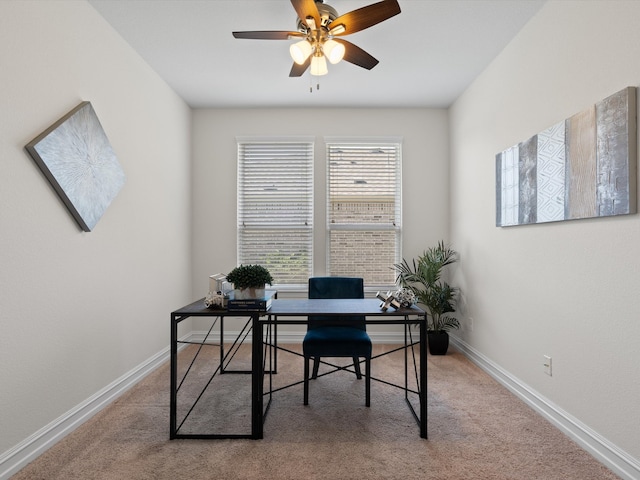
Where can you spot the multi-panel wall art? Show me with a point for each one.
(582, 167)
(76, 157)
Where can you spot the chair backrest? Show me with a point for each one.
(336, 287)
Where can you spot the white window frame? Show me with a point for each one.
(394, 225)
(288, 167)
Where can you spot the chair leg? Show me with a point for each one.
(316, 366)
(367, 381)
(306, 380)
(356, 365)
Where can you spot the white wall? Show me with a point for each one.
(425, 173)
(569, 289)
(79, 310)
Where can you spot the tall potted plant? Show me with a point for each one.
(249, 281)
(423, 278)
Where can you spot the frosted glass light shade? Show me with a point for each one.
(319, 65)
(334, 51)
(300, 51)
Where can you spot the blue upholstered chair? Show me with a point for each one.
(337, 336)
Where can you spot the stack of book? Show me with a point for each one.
(251, 304)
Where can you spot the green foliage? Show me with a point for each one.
(423, 278)
(249, 276)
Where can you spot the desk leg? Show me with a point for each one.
(221, 344)
(174, 378)
(256, 377)
(275, 344)
(423, 380)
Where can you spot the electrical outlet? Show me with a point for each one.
(547, 364)
(470, 324)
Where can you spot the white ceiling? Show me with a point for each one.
(428, 54)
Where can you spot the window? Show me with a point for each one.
(275, 207)
(364, 211)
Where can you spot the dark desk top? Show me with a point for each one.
(304, 307)
(336, 306)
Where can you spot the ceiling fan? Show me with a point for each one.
(318, 26)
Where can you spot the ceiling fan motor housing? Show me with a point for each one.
(327, 15)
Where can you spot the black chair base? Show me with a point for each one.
(356, 366)
(316, 366)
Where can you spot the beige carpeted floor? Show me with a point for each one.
(477, 430)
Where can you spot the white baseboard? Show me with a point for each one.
(618, 461)
(29, 449)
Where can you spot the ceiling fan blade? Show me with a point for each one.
(366, 17)
(268, 35)
(298, 70)
(307, 8)
(356, 55)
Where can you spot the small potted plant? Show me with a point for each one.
(249, 281)
(439, 298)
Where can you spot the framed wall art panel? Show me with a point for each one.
(76, 157)
(582, 167)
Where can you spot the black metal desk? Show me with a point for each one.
(198, 309)
(286, 311)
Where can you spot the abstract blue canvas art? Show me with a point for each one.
(76, 157)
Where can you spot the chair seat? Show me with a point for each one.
(337, 335)
(336, 342)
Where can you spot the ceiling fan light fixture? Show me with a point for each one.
(318, 24)
(319, 66)
(334, 51)
(300, 51)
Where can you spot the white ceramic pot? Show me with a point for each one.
(246, 293)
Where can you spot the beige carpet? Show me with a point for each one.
(477, 430)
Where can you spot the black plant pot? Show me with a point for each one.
(438, 342)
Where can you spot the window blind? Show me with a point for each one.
(275, 207)
(364, 210)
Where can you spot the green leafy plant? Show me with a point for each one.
(249, 276)
(422, 277)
